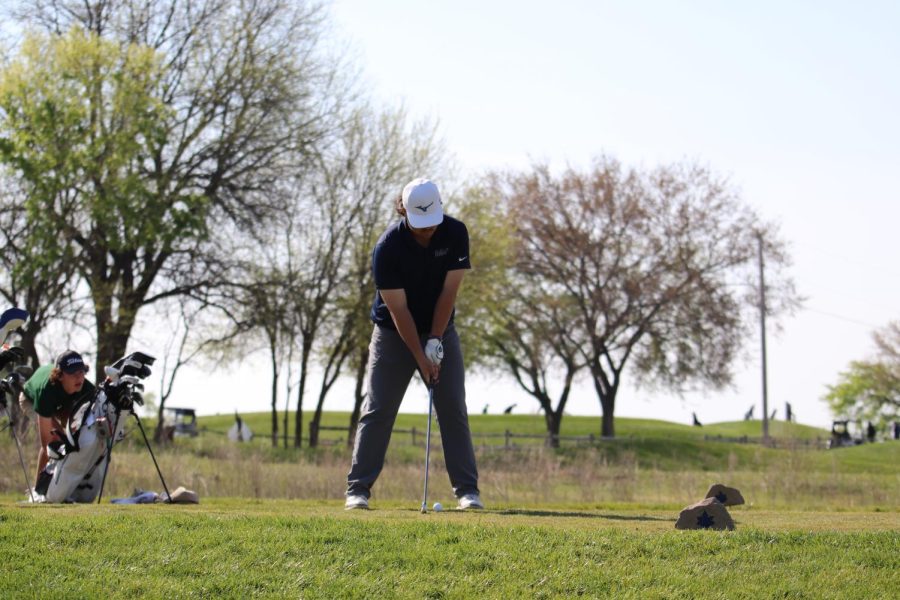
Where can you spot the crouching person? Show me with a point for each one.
(53, 392)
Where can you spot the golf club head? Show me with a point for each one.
(136, 363)
(112, 373)
(424, 508)
(10, 320)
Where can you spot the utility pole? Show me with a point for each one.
(762, 335)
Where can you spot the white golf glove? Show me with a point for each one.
(434, 350)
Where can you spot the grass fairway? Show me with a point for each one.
(595, 520)
(241, 548)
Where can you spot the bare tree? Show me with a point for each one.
(378, 152)
(175, 356)
(318, 272)
(650, 261)
(251, 302)
(535, 344)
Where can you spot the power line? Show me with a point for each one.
(842, 318)
(822, 251)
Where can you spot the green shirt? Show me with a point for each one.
(50, 399)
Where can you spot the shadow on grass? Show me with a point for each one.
(553, 513)
(584, 515)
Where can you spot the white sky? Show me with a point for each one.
(796, 102)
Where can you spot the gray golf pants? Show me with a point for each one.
(391, 367)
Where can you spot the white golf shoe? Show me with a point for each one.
(356, 501)
(470, 502)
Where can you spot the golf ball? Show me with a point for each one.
(438, 507)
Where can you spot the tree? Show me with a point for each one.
(79, 119)
(870, 390)
(148, 125)
(316, 274)
(649, 262)
(377, 153)
(37, 271)
(252, 306)
(270, 309)
(285, 289)
(185, 344)
(509, 321)
(531, 337)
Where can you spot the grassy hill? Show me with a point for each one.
(645, 442)
(260, 423)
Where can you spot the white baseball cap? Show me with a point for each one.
(422, 202)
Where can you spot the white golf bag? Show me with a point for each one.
(94, 428)
(77, 466)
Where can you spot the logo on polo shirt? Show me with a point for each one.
(441, 252)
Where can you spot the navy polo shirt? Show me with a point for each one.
(398, 261)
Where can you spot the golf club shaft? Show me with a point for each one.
(109, 446)
(427, 448)
(155, 464)
(22, 462)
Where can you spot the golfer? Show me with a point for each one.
(52, 392)
(418, 266)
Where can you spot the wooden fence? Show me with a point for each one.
(417, 437)
(485, 440)
(810, 443)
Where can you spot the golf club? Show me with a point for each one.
(153, 456)
(427, 447)
(110, 441)
(10, 320)
(12, 385)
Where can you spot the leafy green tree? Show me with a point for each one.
(145, 129)
(80, 119)
(870, 390)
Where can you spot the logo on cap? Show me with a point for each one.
(70, 362)
(422, 202)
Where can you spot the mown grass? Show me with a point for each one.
(241, 548)
(594, 520)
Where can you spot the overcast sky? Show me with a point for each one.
(796, 103)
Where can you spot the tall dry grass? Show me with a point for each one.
(528, 476)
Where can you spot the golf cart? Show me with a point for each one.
(179, 422)
(840, 435)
